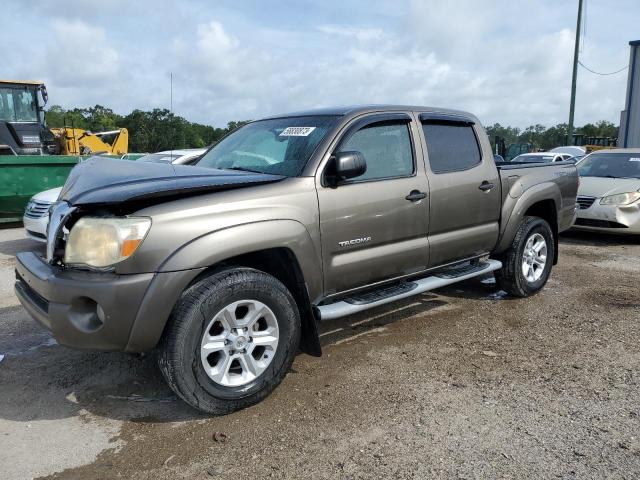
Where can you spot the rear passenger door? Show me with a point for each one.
(374, 227)
(465, 190)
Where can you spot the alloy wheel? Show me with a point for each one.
(239, 343)
(534, 257)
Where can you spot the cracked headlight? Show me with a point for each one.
(102, 242)
(620, 198)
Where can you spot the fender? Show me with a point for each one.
(193, 258)
(220, 245)
(514, 209)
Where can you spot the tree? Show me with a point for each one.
(509, 134)
(159, 129)
(602, 128)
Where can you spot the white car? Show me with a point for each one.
(573, 151)
(177, 157)
(36, 215)
(609, 191)
(542, 157)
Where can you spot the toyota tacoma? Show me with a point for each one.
(226, 267)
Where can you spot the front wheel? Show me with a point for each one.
(526, 265)
(230, 340)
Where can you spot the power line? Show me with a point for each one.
(583, 42)
(599, 73)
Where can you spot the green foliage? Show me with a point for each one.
(543, 138)
(159, 129)
(600, 129)
(510, 134)
(151, 131)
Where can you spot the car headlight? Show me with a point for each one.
(102, 242)
(620, 198)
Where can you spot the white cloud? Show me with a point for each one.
(233, 76)
(508, 62)
(361, 34)
(214, 40)
(80, 53)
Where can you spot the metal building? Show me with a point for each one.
(630, 117)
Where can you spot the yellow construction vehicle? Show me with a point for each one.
(23, 130)
(75, 141)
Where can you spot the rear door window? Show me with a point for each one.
(451, 146)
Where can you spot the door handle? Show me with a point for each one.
(486, 186)
(415, 196)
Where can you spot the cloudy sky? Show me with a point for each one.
(506, 61)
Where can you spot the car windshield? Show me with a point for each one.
(158, 158)
(280, 146)
(18, 104)
(534, 158)
(610, 165)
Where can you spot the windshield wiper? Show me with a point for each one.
(601, 176)
(242, 169)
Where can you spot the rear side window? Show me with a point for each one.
(451, 146)
(386, 149)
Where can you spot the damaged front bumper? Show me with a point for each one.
(82, 309)
(99, 310)
(621, 219)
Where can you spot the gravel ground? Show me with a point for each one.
(462, 383)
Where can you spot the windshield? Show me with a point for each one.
(158, 158)
(534, 158)
(280, 146)
(18, 105)
(610, 165)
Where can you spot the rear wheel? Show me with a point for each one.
(526, 265)
(230, 340)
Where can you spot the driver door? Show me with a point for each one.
(374, 227)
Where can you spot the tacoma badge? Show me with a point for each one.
(355, 241)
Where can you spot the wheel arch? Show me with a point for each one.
(547, 210)
(542, 200)
(281, 248)
(281, 263)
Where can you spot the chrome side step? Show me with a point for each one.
(349, 306)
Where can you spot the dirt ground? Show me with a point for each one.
(461, 383)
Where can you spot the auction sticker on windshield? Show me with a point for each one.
(634, 159)
(297, 131)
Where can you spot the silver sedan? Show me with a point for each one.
(609, 192)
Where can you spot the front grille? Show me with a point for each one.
(585, 202)
(588, 222)
(37, 209)
(36, 234)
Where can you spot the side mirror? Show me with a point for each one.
(45, 95)
(349, 165)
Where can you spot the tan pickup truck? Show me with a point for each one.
(226, 267)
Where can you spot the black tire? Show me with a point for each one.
(511, 277)
(179, 356)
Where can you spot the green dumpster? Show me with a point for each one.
(23, 176)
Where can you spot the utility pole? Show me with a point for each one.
(572, 105)
(171, 108)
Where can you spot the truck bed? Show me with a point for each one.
(519, 181)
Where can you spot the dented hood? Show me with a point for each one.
(602, 187)
(102, 180)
